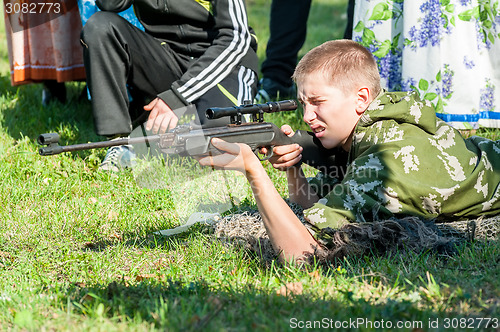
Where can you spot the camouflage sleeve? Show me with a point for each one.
(360, 197)
(322, 184)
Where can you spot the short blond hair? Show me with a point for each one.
(344, 63)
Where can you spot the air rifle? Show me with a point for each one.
(192, 140)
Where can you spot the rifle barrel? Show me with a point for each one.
(53, 149)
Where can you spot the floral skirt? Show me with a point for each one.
(448, 51)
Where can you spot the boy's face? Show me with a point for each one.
(330, 113)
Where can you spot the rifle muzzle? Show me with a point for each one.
(51, 140)
(50, 150)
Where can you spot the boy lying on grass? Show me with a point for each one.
(402, 160)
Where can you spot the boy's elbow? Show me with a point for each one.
(305, 204)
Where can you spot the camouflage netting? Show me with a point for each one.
(477, 229)
(246, 230)
(388, 236)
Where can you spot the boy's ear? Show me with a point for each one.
(363, 100)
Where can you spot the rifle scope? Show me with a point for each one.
(270, 107)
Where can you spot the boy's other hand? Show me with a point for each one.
(161, 117)
(285, 156)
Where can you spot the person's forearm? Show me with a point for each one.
(287, 234)
(299, 190)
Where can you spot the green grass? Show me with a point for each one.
(78, 250)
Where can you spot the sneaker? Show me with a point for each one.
(118, 158)
(270, 90)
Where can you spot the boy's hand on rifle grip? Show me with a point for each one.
(285, 156)
(161, 117)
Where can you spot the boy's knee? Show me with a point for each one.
(100, 26)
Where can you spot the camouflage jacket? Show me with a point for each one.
(405, 161)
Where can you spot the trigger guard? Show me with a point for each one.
(268, 155)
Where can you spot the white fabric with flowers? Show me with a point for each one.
(448, 51)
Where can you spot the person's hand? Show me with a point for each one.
(161, 117)
(233, 156)
(285, 156)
